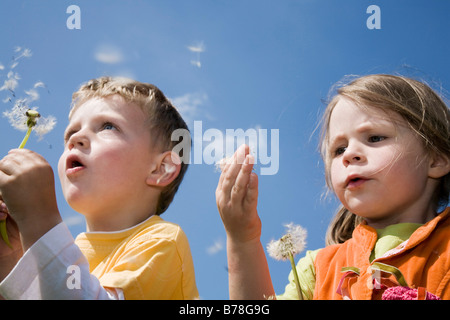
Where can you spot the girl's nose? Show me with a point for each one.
(353, 154)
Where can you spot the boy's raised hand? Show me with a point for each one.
(27, 188)
(237, 195)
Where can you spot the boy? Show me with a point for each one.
(118, 170)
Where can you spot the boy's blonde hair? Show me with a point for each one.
(163, 118)
(422, 109)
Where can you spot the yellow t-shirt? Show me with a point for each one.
(151, 260)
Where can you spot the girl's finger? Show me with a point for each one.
(232, 170)
(251, 199)
(239, 190)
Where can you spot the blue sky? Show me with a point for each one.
(254, 64)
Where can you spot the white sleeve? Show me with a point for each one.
(54, 268)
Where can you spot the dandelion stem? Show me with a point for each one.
(25, 139)
(4, 233)
(297, 281)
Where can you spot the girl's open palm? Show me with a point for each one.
(237, 196)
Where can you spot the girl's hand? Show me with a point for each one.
(27, 188)
(237, 196)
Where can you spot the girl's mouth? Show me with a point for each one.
(355, 182)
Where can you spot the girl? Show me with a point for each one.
(386, 148)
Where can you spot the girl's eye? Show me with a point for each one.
(339, 151)
(376, 138)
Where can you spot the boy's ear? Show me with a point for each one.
(439, 166)
(167, 168)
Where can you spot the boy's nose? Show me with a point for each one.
(78, 140)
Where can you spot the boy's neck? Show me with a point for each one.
(114, 222)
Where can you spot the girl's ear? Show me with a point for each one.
(167, 168)
(439, 166)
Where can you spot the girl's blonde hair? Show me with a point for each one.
(422, 109)
(162, 118)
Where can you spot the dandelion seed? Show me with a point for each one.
(198, 47)
(27, 53)
(11, 82)
(39, 84)
(14, 64)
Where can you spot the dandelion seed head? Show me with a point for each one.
(17, 116)
(44, 126)
(293, 242)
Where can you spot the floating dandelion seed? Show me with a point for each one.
(292, 243)
(197, 48)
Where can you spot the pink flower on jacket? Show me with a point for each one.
(405, 293)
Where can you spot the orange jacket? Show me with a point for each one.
(421, 262)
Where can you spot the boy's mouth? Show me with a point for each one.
(74, 164)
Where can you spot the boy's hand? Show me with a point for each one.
(9, 255)
(27, 187)
(13, 233)
(237, 196)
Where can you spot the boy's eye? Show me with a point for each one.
(108, 126)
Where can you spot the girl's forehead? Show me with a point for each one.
(347, 111)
